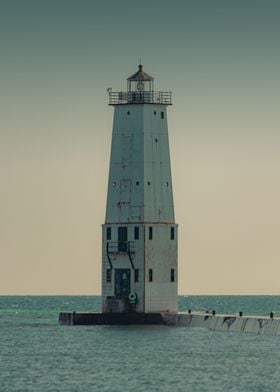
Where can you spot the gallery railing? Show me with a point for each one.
(134, 97)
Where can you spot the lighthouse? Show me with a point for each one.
(139, 236)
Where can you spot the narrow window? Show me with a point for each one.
(150, 233)
(128, 113)
(136, 233)
(109, 233)
(136, 275)
(137, 183)
(108, 275)
(149, 183)
(155, 113)
(161, 114)
(172, 233)
(122, 239)
(172, 275)
(150, 275)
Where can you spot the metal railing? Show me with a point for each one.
(121, 247)
(134, 97)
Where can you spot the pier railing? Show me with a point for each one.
(136, 97)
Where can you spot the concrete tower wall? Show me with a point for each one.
(140, 184)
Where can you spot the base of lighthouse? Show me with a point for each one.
(139, 274)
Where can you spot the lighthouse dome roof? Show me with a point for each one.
(140, 75)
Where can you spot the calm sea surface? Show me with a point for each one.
(37, 354)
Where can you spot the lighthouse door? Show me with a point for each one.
(122, 282)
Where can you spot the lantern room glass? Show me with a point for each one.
(140, 85)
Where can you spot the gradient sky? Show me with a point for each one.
(221, 60)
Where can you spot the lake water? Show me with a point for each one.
(37, 354)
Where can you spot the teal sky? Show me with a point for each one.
(221, 60)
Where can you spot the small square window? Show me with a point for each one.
(161, 114)
(172, 275)
(109, 233)
(172, 233)
(150, 233)
(108, 275)
(150, 275)
(136, 233)
(128, 113)
(155, 113)
(137, 183)
(136, 275)
(148, 183)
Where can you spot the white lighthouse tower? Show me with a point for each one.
(139, 237)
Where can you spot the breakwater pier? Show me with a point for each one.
(216, 322)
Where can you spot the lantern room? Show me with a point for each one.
(140, 89)
(140, 81)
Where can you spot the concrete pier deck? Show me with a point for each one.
(214, 322)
